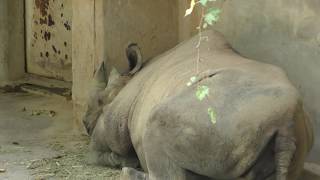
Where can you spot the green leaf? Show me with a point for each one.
(205, 25)
(212, 16)
(193, 79)
(213, 115)
(189, 11)
(202, 92)
(203, 2)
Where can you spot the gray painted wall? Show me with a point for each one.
(12, 53)
(285, 33)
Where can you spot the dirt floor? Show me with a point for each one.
(37, 142)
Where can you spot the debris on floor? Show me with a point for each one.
(37, 112)
(38, 147)
(70, 164)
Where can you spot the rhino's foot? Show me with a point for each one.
(112, 159)
(132, 174)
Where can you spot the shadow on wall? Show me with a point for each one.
(12, 40)
(285, 33)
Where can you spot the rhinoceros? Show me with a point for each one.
(154, 119)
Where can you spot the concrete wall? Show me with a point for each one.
(285, 33)
(153, 25)
(12, 53)
(48, 35)
(187, 26)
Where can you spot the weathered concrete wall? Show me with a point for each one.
(187, 26)
(281, 32)
(12, 53)
(153, 25)
(48, 35)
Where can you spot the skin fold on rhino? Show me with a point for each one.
(154, 119)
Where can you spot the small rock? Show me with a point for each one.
(35, 113)
(15, 143)
(2, 170)
(52, 113)
(57, 157)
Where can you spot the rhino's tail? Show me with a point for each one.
(285, 148)
(293, 142)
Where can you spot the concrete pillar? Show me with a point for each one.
(87, 50)
(12, 46)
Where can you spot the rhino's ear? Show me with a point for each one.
(134, 58)
(100, 77)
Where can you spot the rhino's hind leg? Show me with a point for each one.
(103, 156)
(160, 166)
(111, 159)
(284, 151)
(132, 174)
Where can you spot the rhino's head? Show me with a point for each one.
(106, 86)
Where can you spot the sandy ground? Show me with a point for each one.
(37, 142)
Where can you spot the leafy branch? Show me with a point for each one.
(209, 16)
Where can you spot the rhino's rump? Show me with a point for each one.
(249, 114)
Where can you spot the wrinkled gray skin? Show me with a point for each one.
(261, 131)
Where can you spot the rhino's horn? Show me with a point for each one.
(134, 57)
(100, 77)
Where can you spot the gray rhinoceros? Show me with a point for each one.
(261, 129)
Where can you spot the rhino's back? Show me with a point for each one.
(168, 75)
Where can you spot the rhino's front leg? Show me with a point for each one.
(101, 154)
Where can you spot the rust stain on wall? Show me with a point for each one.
(47, 35)
(43, 6)
(49, 38)
(67, 26)
(50, 20)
